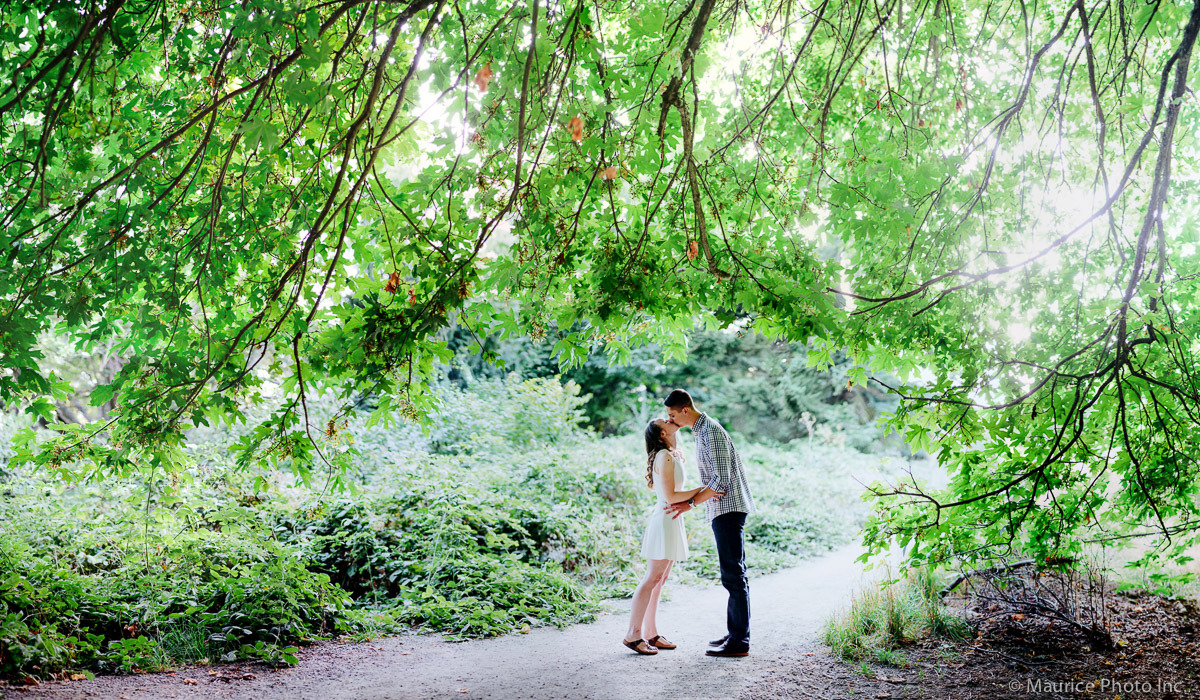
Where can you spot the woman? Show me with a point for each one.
(665, 542)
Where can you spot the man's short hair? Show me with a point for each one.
(679, 399)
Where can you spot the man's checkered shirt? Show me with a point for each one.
(721, 469)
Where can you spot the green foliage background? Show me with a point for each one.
(246, 213)
(511, 513)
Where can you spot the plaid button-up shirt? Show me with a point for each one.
(721, 469)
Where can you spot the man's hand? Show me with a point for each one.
(677, 509)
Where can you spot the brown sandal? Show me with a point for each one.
(658, 642)
(637, 646)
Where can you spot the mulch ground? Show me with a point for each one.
(1157, 655)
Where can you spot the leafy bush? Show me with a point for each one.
(97, 594)
(499, 414)
(458, 558)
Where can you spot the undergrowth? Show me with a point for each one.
(510, 514)
(882, 619)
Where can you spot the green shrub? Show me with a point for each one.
(506, 414)
(231, 588)
(457, 557)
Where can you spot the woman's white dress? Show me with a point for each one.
(665, 537)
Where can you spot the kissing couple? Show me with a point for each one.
(726, 498)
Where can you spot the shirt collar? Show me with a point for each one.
(700, 422)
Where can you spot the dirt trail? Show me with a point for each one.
(583, 661)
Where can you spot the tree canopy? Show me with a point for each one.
(993, 200)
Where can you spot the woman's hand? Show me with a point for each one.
(677, 509)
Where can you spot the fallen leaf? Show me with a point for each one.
(189, 681)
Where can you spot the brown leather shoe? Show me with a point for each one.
(640, 646)
(719, 642)
(726, 650)
(658, 642)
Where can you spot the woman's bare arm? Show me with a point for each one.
(664, 464)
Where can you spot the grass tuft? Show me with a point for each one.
(884, 618)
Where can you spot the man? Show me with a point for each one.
(721, 472)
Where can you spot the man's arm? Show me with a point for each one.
(722, 461)
(678, 509)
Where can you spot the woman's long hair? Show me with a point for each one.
(654, 442)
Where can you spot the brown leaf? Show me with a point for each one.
(392, 283)
(609, 173)
(693, 250)
(412, 296)
(483, 77)
(575, 126)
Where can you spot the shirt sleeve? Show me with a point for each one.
(722, 460)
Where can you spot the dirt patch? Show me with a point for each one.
(1157, 655)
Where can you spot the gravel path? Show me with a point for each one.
(582, 661)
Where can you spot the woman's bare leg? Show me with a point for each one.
(655, 573)
(649, 626)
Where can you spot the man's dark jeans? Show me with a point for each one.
(731, 550)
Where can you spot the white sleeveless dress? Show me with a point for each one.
(665, 537)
